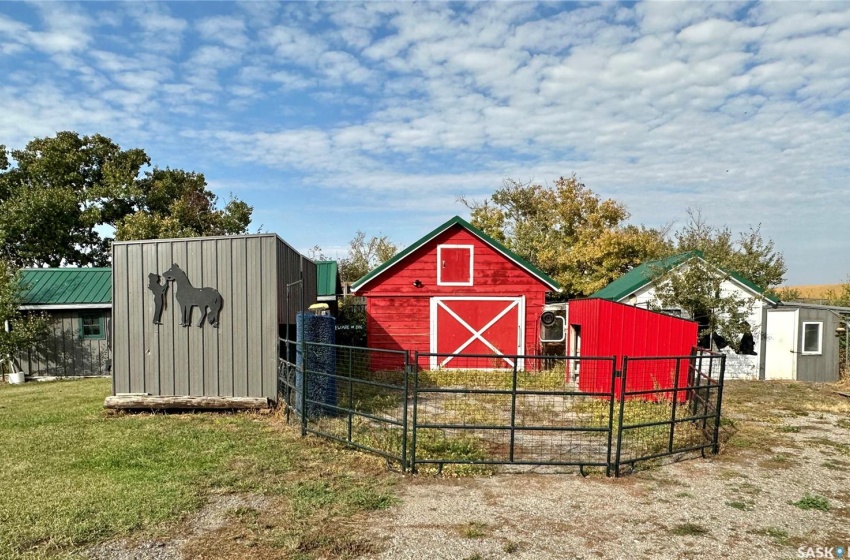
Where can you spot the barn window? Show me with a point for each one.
(454, 265)
(812, 337)
(91, 327)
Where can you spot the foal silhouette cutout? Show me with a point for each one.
(188, 296)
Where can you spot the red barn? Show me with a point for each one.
(456, 291)
(599, 327)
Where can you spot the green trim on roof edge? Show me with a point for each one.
(641, 275)
(457, 220)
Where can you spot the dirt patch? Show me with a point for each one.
(214, 516)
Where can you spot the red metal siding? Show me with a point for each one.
(398, 313)
(609, 328)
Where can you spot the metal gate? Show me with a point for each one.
(416, 416)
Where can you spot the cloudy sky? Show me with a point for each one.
(334, 117)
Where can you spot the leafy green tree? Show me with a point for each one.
(749, 255)
(697, 289)
(697, 286)
(567, 231)
(24, 330)
(175, 203)
(59, 189)
(364, 255)
(56, 191)
(839, 296)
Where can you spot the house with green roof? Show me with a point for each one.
(79, 304)
(792, 341)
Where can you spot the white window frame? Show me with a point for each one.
(440, 264)
(819, 351)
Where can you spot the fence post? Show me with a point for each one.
(513, 411)
(716, 447)
(404, 411)
(611, 414)
(675, 404)
(304, 383)
(350, 394)
(623, 373)
(695, 388)
(707, 394)
(415, 406)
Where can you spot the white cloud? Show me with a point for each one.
(229, 31)
(292, 44)
(160, 31)
(726, 106)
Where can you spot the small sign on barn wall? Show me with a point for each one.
(188, 297)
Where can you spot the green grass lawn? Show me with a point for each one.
(72, 475)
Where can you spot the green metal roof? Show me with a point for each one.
(457, 220)
(639, 276)
(66, 286)
(644, 273)
(327, 279)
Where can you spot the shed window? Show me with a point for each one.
(812, 338)
(454, 265)
(91, 326)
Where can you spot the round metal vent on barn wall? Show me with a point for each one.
(548, 318)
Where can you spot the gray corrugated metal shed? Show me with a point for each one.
(66, 286)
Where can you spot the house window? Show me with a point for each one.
(91, 327)
(454, 265)
(812, 338)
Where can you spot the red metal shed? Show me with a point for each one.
(456, 291)
(599, 327)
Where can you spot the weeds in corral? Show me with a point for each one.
(434, 444)
(431, 444)
(547, 380)
(510, 547)
(475, 410)
(812, 501)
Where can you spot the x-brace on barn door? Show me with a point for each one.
(477, 325)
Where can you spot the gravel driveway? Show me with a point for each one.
(781, 482)
(736, 505)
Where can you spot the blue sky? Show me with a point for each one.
(334, 117)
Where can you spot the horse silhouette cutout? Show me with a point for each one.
(188, 296)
